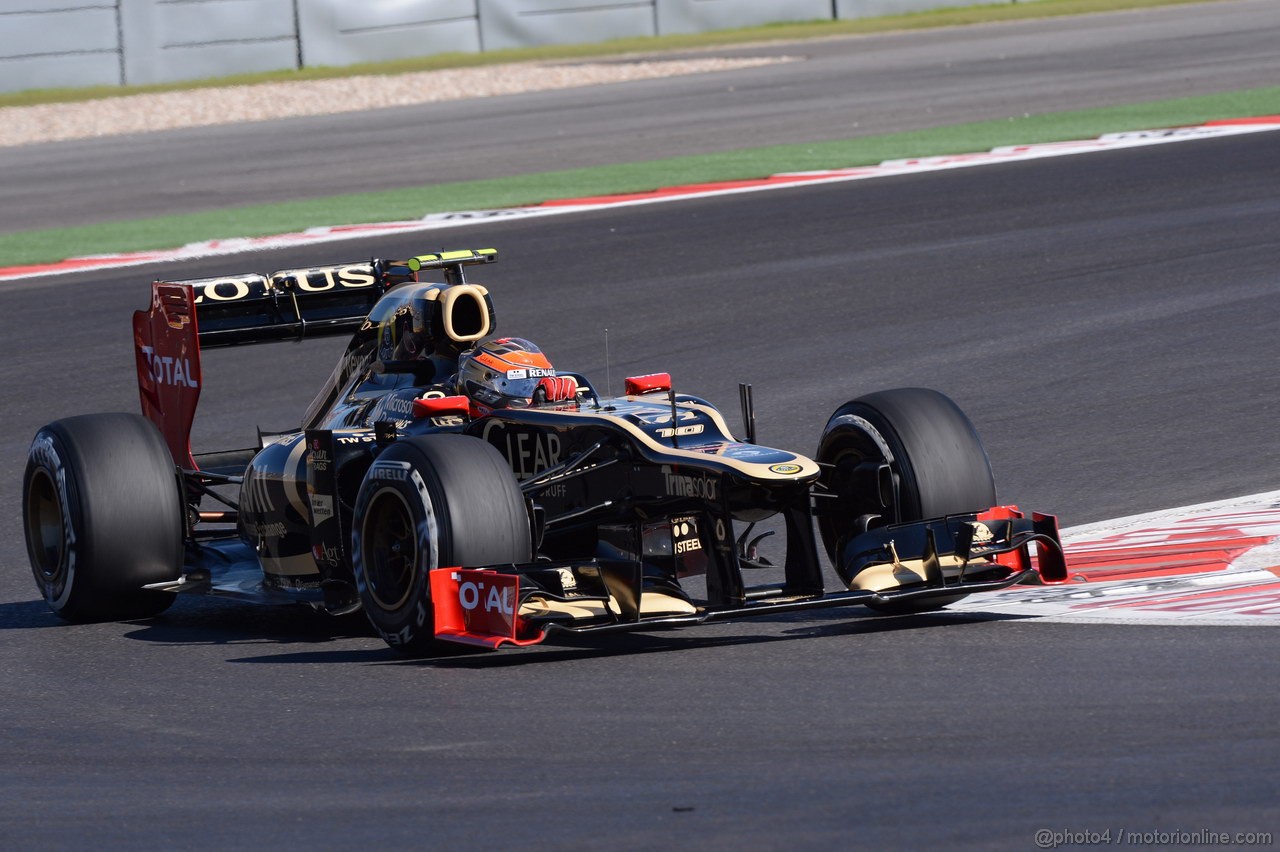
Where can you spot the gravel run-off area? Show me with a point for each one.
(225, 105)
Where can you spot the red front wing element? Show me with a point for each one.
(477, 607)
(1050, 563)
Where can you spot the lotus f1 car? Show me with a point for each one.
(448, 518)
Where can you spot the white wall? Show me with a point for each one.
(342, 32)
(66, 43)
(873, 8)
(521, 23)
(46, 44)
(696, 16)
(167, 40)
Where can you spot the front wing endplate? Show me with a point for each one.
(477, 607)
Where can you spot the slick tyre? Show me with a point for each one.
(430, 502)
(102, 512)
(904, 455)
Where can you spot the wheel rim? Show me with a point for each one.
(46, 530)
(847, 449)
(390, 550)
(839, 481)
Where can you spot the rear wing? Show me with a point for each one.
(293, 304)
(187, 316)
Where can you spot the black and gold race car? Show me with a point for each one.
(458, 488)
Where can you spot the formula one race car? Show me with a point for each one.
(456, 487)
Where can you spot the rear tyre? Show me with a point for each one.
(429, 502)
(102, 513)
(935, 462)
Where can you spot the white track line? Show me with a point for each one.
(1238, 541)
(440, 221)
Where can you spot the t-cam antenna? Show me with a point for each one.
(748, 411)
(675, 418)
(608, 379)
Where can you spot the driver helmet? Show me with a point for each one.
(511, 372)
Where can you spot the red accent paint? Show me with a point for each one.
(1259, 599)
(1166, 552)
(1228, 122)
(478, 607)
(167, 350)
(1001, 513)
(79, 263)
(636, 385)
(1050, 563)
(1200, 544)
(441, 405)
(1161, 561)
(1015, 560)
(688, 189)
(1217, 560)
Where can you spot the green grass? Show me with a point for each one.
(40, 246)
(1010, 11)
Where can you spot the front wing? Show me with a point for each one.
(525, 604)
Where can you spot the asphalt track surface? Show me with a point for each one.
(845, 87)
(1107, 320)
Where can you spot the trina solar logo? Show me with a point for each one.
(678, 485)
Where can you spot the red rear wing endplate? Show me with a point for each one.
(253, 308)
(166, 342)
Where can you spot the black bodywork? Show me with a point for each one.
(626, 496)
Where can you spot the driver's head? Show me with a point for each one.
(511, 372)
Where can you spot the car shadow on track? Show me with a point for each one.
(213, 622)
(350, 639)
(27, 615)
(210, 621)
(218, 623)
(568, 649)
(571, 649)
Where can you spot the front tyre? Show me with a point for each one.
(102, 512)
(429, 502)
(903, 455)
